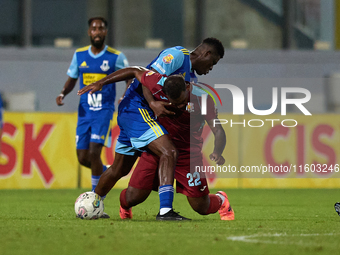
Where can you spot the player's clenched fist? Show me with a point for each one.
(217, 158)
(59, 100)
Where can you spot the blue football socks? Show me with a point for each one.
(166, 197)
(94, 181)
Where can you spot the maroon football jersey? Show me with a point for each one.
(185, 128)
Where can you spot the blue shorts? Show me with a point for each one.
(96, 129)
(138, 128)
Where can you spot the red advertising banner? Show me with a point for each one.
(38, 151)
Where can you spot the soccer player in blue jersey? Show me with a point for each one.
(95, 111)
(178, 60)
(137, 120)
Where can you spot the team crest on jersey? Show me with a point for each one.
(105, 66)
(190, 107)
(150, 73)
(168, 59)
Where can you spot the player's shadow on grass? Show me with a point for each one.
(154, 220)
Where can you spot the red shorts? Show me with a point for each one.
(188, 182)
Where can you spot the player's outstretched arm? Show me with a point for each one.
(220, 142)
(120, 75)
(128, 82)
(68, 87)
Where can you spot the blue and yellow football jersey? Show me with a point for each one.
(90, 68)
(138, 125)
(95, 111)
(175, 60)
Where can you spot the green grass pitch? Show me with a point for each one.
(267, 221)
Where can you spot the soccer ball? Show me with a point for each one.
(89, 206)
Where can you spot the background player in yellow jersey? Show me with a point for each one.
(95, 111)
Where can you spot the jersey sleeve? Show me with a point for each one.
(153, 81)
(168, 61)
(121, 62)
(211, 110)
(73, 71)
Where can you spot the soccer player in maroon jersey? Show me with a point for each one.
(185, 129)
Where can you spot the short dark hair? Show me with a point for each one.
(216, 44)
(174, 85)
(100, 18)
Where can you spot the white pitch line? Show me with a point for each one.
(249, 238)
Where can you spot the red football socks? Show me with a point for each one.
(215, 203)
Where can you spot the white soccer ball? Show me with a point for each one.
(89, 206)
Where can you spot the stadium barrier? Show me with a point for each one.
(293, 151)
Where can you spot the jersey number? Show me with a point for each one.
(94, 101)
(194, 179)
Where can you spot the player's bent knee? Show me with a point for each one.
(136, 196)
(201, 211)
(199, 204)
